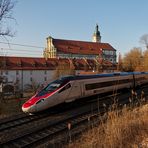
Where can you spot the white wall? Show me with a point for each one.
(25, 77)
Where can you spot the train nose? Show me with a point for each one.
(25, 110)
(26, 107)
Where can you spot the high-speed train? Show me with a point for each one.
(70, 88)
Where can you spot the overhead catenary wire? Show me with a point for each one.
(11, 49)
(20, 51)
(23, 45)
(30, 54)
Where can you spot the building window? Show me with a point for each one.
(17, 80)
(30, 72)
(17, 72)
(111, 52)
(31, 79)
(6, 72)
(6, 80)
(45, 78)
(45, 72)
(18, 64)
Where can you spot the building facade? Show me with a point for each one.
(21, 72)
(59, 48)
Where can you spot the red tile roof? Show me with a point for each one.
(27, 63)
(80, 47)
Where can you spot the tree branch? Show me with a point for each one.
(6, 7)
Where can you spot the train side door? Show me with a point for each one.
(75, 91)
(63, 93)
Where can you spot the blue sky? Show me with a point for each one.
(121, 23)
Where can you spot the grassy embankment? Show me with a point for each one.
(127, 128)
(9, 108)
(11, 105)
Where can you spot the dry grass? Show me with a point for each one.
(10, 107)
(127, 129)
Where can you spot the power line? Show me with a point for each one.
(11, 49)
(20, 53)
(23, 45)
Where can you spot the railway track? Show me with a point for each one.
(38, 130)
(19, 120)
(42, 129)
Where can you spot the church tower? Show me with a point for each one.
(96, 35)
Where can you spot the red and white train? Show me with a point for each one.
(70, 88)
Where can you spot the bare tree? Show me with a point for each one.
(132, 61)
(144, 40)
(62, 69)
(145, 60)
(6, 7)
(120, 63)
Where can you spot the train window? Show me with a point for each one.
(65, 87)
(42, 100)
(51, 87)
(116, 74)
(104, 84)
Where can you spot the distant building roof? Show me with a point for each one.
(29, 63)
(80, 47)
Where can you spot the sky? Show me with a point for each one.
(121, 24)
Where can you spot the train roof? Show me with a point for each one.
(79, 77)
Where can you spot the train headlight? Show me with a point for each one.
(40, 101)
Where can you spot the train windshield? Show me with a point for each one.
(52, 87)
